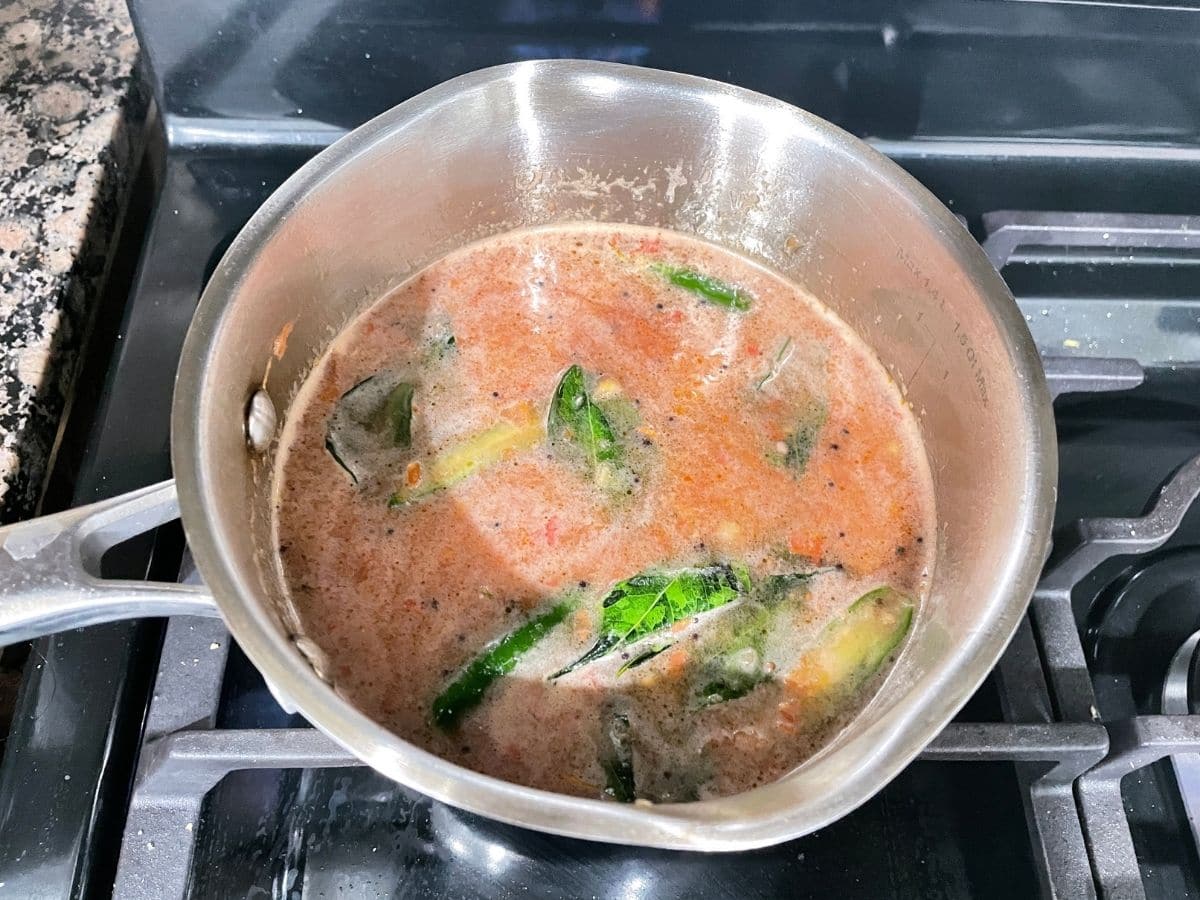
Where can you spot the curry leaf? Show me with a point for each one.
(369, 421)
(798, 446)
(652, 601)
(749, 631)
(332, 449)
(498, 659)
(733, 675)
(782, 355)
(773, 590)
(704, 286)
(441, 346)
(618, 762)
(643, 657)
(396, 415)
(740, 665)
(574, 417)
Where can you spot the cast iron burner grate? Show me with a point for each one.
(1071, 744)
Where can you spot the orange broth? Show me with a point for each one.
(767, 440)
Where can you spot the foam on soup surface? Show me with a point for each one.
(605, 510)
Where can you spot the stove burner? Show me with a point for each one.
(1180, 698)
(1136, 741)
(1136, 625)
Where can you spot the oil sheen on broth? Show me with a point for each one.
(607, 511)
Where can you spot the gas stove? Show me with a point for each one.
(149, 759)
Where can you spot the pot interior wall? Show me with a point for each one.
(753, 176)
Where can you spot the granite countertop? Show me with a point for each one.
(72, 122)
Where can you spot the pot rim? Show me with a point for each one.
(725, 823)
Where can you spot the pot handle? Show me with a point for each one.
(50, 568)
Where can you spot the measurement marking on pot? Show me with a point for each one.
(914, 269)
(933, 343)
(964, 341)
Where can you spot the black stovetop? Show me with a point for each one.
(996, 106)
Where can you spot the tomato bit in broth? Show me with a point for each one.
(607, 511)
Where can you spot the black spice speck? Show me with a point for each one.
(833, 447)
(920, 540)
(900, 551)
(495, 393)
(583, 584)
(433, 603)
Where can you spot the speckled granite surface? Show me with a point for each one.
(72, 115)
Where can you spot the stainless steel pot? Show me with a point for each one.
(541, 142)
